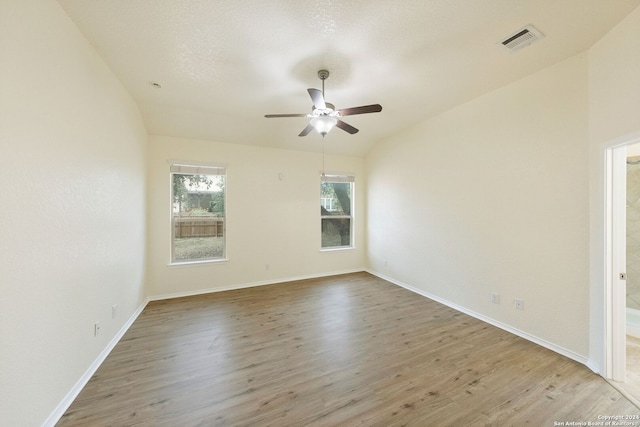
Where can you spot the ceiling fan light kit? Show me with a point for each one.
(324, 115)
(323, 124)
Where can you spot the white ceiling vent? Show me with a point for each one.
(521, 38)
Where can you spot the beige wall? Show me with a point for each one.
(614, 82)
(72, 168)
(492, 196)
(614, 102)
(269, 220)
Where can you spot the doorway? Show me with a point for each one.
(632, 201)
(633, 240)
(622, 200)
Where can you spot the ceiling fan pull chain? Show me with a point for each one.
(323, 156)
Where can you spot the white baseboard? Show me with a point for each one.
(79, 385)
(595, 367)
(553, 347)
(250, 285)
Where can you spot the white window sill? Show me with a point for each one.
(201, 263)
(338, 249)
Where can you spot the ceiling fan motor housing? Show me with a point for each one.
(327, 111)
(323, 74)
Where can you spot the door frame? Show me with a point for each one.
(615, 261)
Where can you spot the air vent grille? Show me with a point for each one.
(521, 38)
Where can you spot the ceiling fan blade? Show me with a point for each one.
(374, 108)
(317, 98)
(346, 127)
(306, 131)
(271, 116)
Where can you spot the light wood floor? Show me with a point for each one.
(633, 366)
(631, 388)
(339, 351)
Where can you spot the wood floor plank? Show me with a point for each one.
(343, 350)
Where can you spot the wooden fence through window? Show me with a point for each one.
(198, 227)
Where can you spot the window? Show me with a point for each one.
(197, 213)
(336, 211)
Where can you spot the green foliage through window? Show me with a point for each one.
(336, 202)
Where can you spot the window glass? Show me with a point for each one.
(336, 211)
(197, 214)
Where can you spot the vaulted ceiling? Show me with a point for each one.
(223, 65)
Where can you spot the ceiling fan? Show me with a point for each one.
(324, 115)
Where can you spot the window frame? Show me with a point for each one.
(340, 178)
(196, 168)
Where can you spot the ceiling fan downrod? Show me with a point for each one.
(323, 75)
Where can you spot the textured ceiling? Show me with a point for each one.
(223, 65)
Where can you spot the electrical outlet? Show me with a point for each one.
(96, 329)
(114, 311)
(519, 304)
(495, 298)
